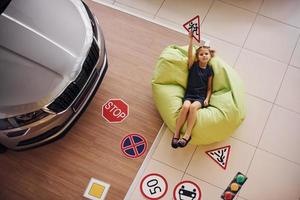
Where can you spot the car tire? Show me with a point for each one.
(2, 148)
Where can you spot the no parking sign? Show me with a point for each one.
(133, 145)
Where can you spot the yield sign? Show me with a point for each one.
(194, 26)
(220, 155)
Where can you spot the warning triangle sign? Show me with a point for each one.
(220, 155)
(194, 26)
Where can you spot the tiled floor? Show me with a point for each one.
(260, 39)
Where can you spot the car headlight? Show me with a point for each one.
(22, 120)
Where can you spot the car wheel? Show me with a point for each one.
(2, 148)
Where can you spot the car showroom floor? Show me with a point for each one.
(259, 38)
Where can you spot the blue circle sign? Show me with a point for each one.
(133, 145)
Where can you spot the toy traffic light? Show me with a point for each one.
(234, 186)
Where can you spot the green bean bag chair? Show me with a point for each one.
(226, 110)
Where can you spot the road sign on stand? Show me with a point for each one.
(115, 110)
(194, 26)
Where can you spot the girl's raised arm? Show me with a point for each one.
(190, 50)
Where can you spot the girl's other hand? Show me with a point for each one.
(206, 102)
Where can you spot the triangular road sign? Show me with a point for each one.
(220, 155)
(193, 25)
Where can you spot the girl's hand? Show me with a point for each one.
(191, 34)
(206, 101)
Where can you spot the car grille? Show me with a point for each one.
(64, 100)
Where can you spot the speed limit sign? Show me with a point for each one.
(153, 186)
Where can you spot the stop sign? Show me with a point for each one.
(115, 110)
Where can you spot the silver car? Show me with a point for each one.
(52, 60)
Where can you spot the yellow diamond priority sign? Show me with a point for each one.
(96, 190)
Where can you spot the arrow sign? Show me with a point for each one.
(220, 155)
(194, 26)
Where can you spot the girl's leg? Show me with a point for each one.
(182, 117)
(191, 119)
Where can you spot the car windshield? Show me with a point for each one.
(3, 5)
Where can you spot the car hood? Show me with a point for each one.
(42, 47)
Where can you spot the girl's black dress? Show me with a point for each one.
(197, 83)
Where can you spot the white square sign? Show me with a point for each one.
(96, 190)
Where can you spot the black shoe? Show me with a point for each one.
(174, 142)
(183, 142)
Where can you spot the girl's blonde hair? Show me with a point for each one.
(211, 51)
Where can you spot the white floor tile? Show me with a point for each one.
(251, 129)
(252, 5)
(272, 38)
(271, 178)
(225, 50)
(296, 56)
(289, 95)
(171, 175)
(281, 135)
(287, 11)
(178, 158)
(228, 22)
(208, 191)
(262, 75)
(205, 168)
(134, 11)
(182, 11)
(148, 6)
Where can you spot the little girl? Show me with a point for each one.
(198, 91)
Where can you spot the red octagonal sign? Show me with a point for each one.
(115, 110)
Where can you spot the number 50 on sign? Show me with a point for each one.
(153, 186)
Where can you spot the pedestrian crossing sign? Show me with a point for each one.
(194, 26)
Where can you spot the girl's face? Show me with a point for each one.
(204, 55)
